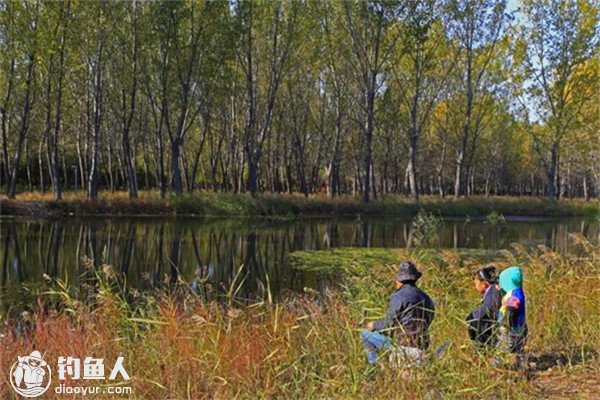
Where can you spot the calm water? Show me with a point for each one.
(151, 252)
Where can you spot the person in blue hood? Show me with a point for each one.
(512, 315)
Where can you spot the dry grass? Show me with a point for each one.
(306, 346)
(78, 195)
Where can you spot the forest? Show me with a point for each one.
(368, 98)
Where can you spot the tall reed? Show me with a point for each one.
(180, 345)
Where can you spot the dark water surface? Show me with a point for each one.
(152, 252)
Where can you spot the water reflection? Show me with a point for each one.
(154, 252)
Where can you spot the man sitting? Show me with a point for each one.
(408, 318)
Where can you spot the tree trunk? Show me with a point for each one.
(4, 111)
(252, 175)
(459, 182)
(57, 121)
(93, 179)
(110, 175)
(412, 166)
(440, 171)
(368, 141)
(175, 168)
(552, 172)
(80, 161)
(130, 171)
(28, 165)
(51, 137)
(132, 185)
(146, 175)
(27, 106)
(41, 166)
(333, 186)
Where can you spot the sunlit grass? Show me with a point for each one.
(178, 345)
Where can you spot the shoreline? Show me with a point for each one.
(279, 218)
(289, 207)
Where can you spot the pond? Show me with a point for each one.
(154, 252)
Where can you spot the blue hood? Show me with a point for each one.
(511, 279)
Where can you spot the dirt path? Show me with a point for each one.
(575, 383)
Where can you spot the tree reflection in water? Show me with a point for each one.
(152, 253)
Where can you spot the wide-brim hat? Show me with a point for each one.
(35, 355)
(407, 271)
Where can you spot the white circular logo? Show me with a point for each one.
(30, 376)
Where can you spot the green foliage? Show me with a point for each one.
(558, 44)
(297, 96)
(494, 218)
(356, 260)
(343, 259)
(425, 229)
(591, 210)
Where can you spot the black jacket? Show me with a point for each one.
(483, 320)
(409, 316)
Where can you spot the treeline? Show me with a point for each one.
(364, 97)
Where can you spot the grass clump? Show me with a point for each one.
(494, 218)
(350, 259)
(343, 258)
(425, 230)
(180, 345)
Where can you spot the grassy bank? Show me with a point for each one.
(287, 206)
(179, 345)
